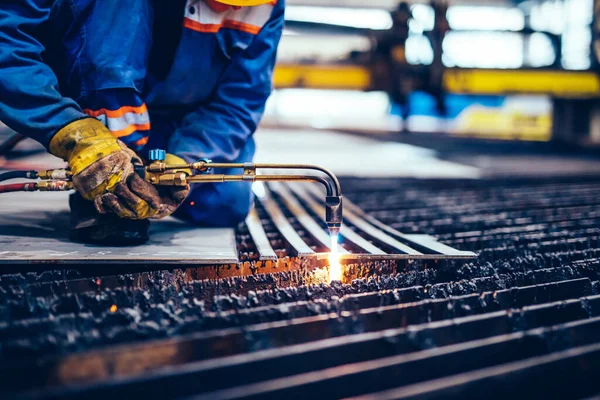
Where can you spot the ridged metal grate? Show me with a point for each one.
(362, 236)
(520, 320)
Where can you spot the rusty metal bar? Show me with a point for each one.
(118, 361)
(366, 377)
(566, 374)
(219, 374)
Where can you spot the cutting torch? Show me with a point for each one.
(159, 173)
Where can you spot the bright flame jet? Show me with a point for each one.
(335, 268)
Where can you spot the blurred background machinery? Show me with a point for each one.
(497, 69)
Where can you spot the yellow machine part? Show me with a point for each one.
(345, 77)
(505, 82)
(475, 122)
(498, 124)
(569, 84)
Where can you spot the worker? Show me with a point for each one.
(393, 71)
(101, 82)
(441, 27)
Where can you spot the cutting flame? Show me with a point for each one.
(335, 269)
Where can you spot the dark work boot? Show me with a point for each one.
(90, 227)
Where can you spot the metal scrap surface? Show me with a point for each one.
(34, 228)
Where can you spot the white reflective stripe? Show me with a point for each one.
(120, 123)
(256, 16)
(102, 118)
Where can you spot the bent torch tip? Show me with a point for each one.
(333, 214)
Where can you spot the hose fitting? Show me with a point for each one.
(54, 186)
(54, 174)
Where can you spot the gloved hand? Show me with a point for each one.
(103, 171)
(172, 196)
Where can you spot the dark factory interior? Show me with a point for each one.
(300, 199)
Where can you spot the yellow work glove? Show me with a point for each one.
(172, 196)
(103, 170)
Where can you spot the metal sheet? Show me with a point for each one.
(346, 232)
(259, 237)
(283, 225)
(302, 216)
(34, 228)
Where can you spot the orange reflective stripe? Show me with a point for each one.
(240, 26)
(130, 129)
(214, 28)
(141, 142)
(116, 113)
(198, 27)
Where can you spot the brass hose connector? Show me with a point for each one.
(54, 186)
(55, 174)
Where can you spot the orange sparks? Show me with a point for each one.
(113, 308)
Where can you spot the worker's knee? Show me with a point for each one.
(217, 205)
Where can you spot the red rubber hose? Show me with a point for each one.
(18, 187)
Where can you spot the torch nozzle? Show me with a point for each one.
(333, 214)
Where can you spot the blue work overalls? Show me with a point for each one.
(169, 74)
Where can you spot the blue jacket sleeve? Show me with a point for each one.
(219, 128)
(30, 102)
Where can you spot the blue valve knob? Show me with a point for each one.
(207, 169)
(157, 155)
